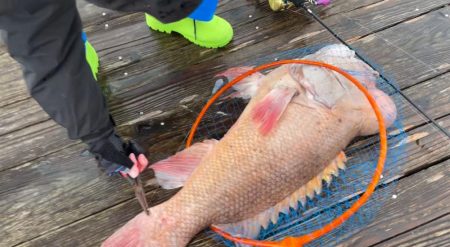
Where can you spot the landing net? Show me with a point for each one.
(345, 189)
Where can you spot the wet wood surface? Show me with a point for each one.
(52, 194)
(434, 233)
(421, 199)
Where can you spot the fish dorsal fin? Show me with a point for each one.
(250, 228)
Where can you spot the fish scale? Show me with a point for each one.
(274, 183)
(249, 171)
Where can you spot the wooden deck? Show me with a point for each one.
(51, 193)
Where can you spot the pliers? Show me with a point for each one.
(138, 191)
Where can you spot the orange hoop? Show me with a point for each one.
(301, 240)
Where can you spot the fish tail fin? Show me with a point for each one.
(173, 172)
(267, 112)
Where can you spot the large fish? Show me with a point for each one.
(289, 138)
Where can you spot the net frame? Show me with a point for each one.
(304, 239)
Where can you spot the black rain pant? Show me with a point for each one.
(44, 36)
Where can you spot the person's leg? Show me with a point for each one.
(202, 27)
(165, 11)
(193, 19)
(205, 11)
(45, 37)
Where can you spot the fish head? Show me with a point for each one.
(334, 90)
(387, 108)
(356, 104)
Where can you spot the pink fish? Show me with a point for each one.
(289, 139)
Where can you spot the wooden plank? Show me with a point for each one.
(126, 29)
(421, 151)
(19, 115)
(342, 6)
(157, 98)
(92, 15)
(424, 54)
(383, 15)
(435, 233)
(16, 116)
(431, 96)
(163, 134)
(417, 159)
(41, 118)
(12, 86)
(20, 147)
(54, 191)
(197, 75)
(81, 232)
(159, 85)
(421, 197)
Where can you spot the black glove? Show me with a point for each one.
(112, 153)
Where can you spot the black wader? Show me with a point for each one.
(44, 36)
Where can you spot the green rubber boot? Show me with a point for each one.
(92, 58)
(211, 34)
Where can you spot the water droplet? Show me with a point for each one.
(162, 123)
(120, 57)
(250, 16)
(381, 176)
(257, 27)
(446, 15)
(125, 74)
(103, 13)
(394, 196)
(141, 113)
(276, 59)
(417, 9)
(106, 25)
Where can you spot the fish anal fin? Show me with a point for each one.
(268, 111)
(173, 172)
(310, 189)
(250, 228)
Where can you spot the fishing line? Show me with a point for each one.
(382, 75)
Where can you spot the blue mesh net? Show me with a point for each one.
(344, 189)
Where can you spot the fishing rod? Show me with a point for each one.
(303, 4)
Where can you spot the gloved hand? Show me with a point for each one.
(114, 155)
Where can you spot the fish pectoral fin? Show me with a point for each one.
(173, 172)
(267, 112)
